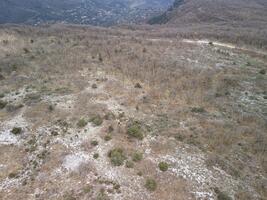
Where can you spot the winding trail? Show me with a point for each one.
(226, 45)
(214, 43)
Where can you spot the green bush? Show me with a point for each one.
(100, 58)
(129, 164)
(51, 108)
(137, 156)
(96, 120)
(2, 104)
(16, 130)
(12, 175)
(96, 155)
(138, 85)
(134, 130)
(151, 184)
(102, 195)
(117, 156)
(94, 86)
(121, 115)
(32, 98)
(26, 50)
(109, 116)
(87, 189)
(81, 123)
(262, 71)
(116, 186)
(163, 166)
(13, 107)
(139, 173)
(1, 76)
(198, 110)
(221, 195)
(69, 196)
(110, 129)
(107, 137)
(94, 142)
(179, 137)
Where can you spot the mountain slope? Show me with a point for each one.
(196, 11)
(94, 113)
(93, 12)
(229, 20)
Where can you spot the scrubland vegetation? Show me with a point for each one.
(177, 120)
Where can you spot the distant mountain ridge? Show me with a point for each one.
(95, 12)
(213, 11)
(223, 20)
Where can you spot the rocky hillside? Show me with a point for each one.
(234, 20)
(94, 12)
(201, 11)
(95, 113)
(175, 111)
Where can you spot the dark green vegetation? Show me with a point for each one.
(222, 195)
(134, 130)
(107, 137)
(16, 130)
(2, 104)
(12, 175)
(117, 156)
(150, 184)
(94, 86)
(96, 120)
(137, 156)
(198, 110)
(94, 142)
(163, 166)
(96, 155)
(81, 123)
(129, 164)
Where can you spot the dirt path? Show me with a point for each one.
(214, 43)
(220, 44)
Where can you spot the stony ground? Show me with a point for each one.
(68, 100)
